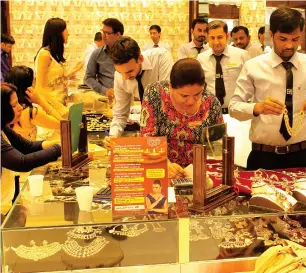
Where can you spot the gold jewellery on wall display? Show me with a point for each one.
(35, 252)
(84, 20)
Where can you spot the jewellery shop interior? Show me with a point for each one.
(153, 136)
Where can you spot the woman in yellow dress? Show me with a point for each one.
(50, 66)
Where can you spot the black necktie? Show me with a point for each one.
(140, 86)
(263, 48)
(155, 46)
(199, 48)
(288, 102)
(219, 85)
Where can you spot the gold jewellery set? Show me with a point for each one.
(297, 126)
(91, 242)
(132, 231)
(35, 252)
(196, 232)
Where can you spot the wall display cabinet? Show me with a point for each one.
(84, 18)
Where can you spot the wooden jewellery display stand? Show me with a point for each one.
(70, 161)
(206, 200)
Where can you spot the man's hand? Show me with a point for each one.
(110, 95)
(175, 171)
(108, 142)
(270, 106)
(33, 97)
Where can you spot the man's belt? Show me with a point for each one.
(280, 149)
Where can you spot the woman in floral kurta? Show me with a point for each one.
(161, 114)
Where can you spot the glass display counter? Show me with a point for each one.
(48, 233)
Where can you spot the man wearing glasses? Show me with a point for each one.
(100, 69)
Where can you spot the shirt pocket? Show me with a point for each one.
(232, 72)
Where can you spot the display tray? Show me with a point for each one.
(97, 123)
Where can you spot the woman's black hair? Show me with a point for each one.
(7, 112)
(186, 72)
(53, 38)
(22, 77)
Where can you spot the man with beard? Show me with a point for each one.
(242, 39)
(276, 81)
(197, 45)
(221, 63)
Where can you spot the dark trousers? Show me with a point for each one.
(270, 161)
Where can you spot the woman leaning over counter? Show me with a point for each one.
(17, 153)
(179, 110)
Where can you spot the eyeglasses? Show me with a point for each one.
(106, 32)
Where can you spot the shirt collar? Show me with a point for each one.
(146, 64)
(276, 60)
(105, 48)
(5, 53)
(225, 52)
(194, 45)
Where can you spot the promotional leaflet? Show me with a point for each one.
(139, 176)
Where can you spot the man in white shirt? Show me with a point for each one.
(242, 39)
(197, 45)
(155, 33)
(221, 83)
(276, 81)
(98, 42)
(134, 71)
(261, 40)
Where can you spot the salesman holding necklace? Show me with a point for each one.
(278, 83)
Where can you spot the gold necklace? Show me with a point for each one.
(35, 252)
(294, 130)
(72, 248)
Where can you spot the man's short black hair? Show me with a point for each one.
(115, 24)
(261, 30)
(198, 21)
(186, 72)
(237, 28)
(7, 39)
(217, 24)
(98, 37)
(156, 27)
(124, 50)
(286, 20)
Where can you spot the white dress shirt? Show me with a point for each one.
(157, 66)
(89, 50)
(254, 49)
(264, 77)
(189, 50)
(231, 63)
(160, 44)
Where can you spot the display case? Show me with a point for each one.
(48, 233)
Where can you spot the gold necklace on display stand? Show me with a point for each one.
(297, 126)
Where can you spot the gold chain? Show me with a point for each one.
(295, 129)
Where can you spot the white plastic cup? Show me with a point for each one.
(36, 184)
(84, 196)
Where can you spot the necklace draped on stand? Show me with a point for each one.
(35, 252)
(84, 242)
(297, 126)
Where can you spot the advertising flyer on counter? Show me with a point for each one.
(139, 176)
